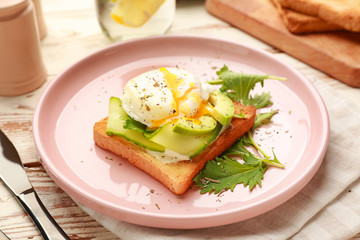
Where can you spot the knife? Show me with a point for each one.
(3, 236)
(14, 176)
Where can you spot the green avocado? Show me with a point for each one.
(181, 143)
(115, 126)
(188, 126)
(223, 107)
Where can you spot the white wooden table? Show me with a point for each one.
(73, 32)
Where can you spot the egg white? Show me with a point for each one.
(162, 95)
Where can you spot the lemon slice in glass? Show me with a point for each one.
(135, 13)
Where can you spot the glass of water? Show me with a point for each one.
(127, 19)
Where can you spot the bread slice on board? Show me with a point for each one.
(344, 13)
(177, 177)
(299, 23)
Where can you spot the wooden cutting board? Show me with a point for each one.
(334, 53)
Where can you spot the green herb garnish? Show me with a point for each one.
(237, 86)
(224, 172)
(134, 125)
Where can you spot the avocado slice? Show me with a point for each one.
(223, 107)
(189, 126)
(115, 126)
(184, 144)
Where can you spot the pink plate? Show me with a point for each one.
(78, 97)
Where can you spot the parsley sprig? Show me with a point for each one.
(225, 172)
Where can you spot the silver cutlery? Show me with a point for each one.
(16, 180)
(3, 236)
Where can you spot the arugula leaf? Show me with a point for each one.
(225, 173)
(149, 132)
(263, 118)
(262, 100)
(134, 125)
(237, 86)
(239, 149)
(274, 162)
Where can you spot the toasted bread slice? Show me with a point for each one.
(299, 23)
(178, 177)
(344, 13)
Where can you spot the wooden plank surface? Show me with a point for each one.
(335, 53)
(76, 223)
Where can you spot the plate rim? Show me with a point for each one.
(306, 177)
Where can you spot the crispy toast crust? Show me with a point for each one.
(297, 22)
(344, 13)
(175, 176)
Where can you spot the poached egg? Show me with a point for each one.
(164, 95)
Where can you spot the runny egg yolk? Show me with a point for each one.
(165, 95)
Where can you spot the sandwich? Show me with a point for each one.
(169, 124)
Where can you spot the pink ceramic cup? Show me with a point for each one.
(21, 66)
(40, 19)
